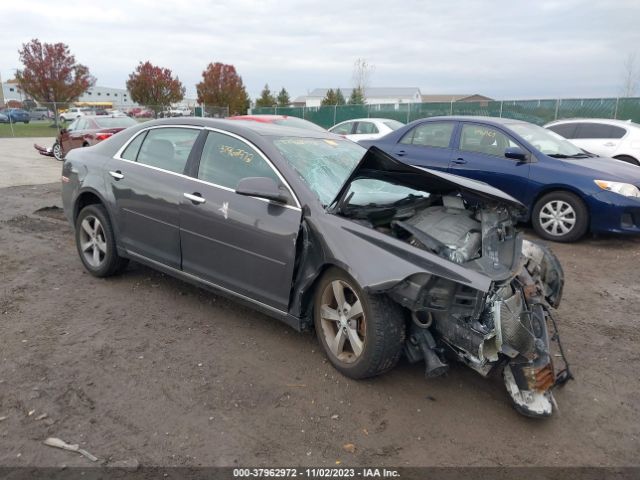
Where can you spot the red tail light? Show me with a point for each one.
(103, 136)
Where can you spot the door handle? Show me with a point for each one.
(195, 197)
(401, 153)
(609, 144)
(117, 174)
(459, 161)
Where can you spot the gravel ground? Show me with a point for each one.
(145, 369)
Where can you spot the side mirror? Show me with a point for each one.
(261, 187)
(516, 153)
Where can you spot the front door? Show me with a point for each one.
(243, 244)
(147, 183)
(480, 155)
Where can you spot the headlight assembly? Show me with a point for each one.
(625, 189)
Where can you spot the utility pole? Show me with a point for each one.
(1, 92)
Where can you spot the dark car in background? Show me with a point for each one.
(568, 191)
(88, 130)
(382, 258)
(284, 120)
(16, 115)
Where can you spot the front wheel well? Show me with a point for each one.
(84, 199)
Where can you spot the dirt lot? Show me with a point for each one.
(146, 369)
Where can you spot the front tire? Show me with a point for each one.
(96, 243)
(361, 334)
(560, 216)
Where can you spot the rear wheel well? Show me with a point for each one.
(85, 198)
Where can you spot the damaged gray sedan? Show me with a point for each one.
(381, 258)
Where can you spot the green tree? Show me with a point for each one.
(266, 98)
(340, 100)
(329, 98)
(283, 98)
(357, 97)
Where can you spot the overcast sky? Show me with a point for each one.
(503, 49)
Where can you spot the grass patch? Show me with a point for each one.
(31, 129)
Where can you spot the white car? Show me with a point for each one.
(608, 138)
(73, 113)
(365, 128)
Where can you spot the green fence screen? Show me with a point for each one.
(534, 111)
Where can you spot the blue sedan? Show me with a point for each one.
(568, 192)
(16, 115)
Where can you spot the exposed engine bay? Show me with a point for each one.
(510, 326)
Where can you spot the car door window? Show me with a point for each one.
(226, 160)
(596, 131)
(81, 124)
(566, 130)
(484, 139)
(366, 128)
(73, 126)
(167, 148)
(431, 134)
(131, 152)
(344, 129)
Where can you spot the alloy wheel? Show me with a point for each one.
(57, 151)
(557, 217)
(343, 321)
(93, 242)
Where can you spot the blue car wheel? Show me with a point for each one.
(560, 216)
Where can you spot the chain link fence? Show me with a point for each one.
(534, 111)
(31, 119)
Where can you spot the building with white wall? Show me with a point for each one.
(372, 95)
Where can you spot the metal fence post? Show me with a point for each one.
(615, 113)
(501, 102)
(451, 108)
(555, 117)
(335, 113)
(409, 113)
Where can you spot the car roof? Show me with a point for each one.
(608, 121)
(243, 127)
(476, 118)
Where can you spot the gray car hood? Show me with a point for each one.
(380, 165)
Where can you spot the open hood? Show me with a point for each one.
(380, 165)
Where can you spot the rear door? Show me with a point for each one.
(428, 144)
(599, 138)
(244, 244)
(480, 155)
(146, 182)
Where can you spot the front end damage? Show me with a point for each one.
(507, 326)
(510, 326)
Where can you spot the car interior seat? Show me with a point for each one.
(160, 153)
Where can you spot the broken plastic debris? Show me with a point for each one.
(335, 416)
(57, 443)
(349, 447)
(2, 419)
(42, 416)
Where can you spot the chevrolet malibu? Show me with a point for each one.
(383, 259)
(568, 192)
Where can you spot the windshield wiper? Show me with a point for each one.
(575, 155)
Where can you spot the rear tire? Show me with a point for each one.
(96, 242)
(365, 337)
(628, 159)
(57, 151)
(560, 216)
